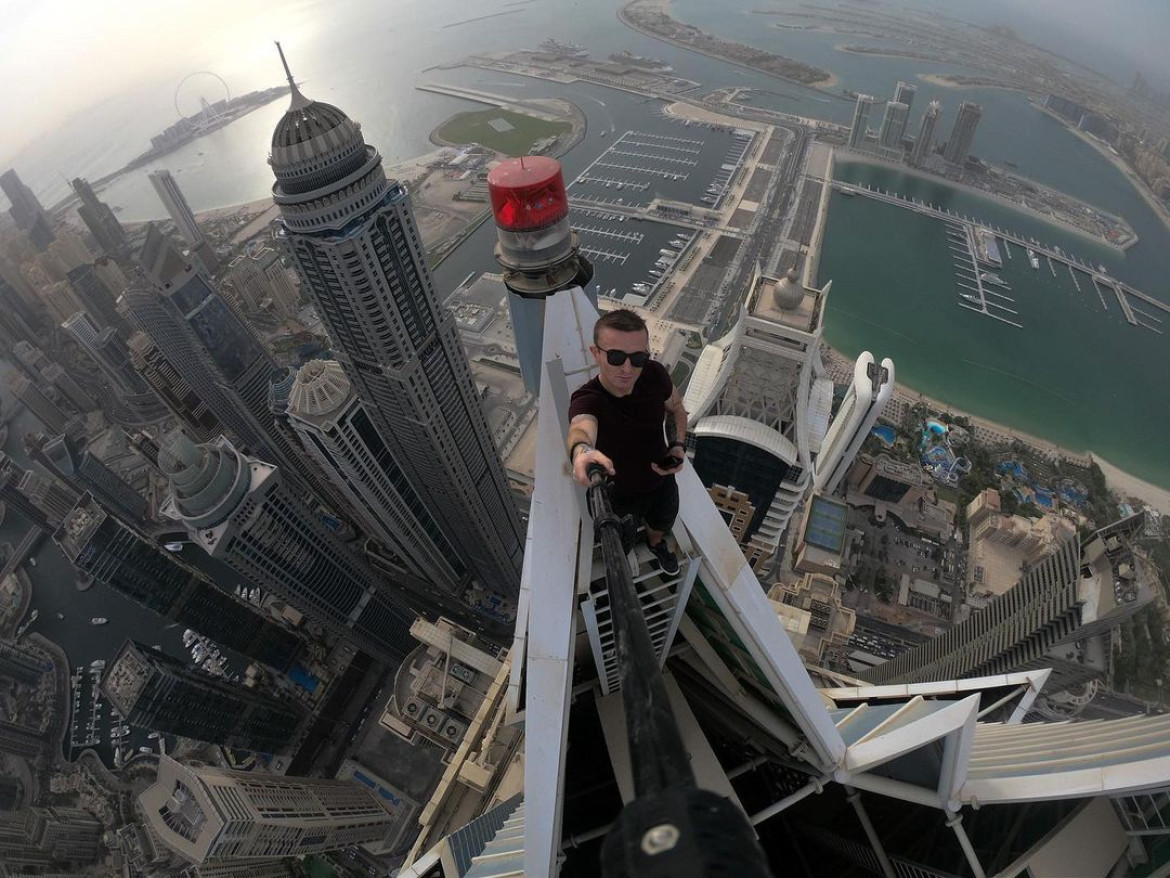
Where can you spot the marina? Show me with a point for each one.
(974, 242)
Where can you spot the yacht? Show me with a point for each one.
(1032, 260)
(98, 620)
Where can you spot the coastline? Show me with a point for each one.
(1122, 483)
(1133, 179)
(849, 155)
(829, 85)
(942, 82)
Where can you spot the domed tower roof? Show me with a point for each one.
(320, 390)
(788, 293)
(325, 171)
(314, 143)
(305, 120)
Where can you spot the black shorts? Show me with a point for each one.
(658, 508)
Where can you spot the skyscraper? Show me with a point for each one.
(172, 388)
(100, 220)
(894, 125)
(208, 814)
(1049, 619)
(20, 664)
(56, 375)
(239, 509)
(35, 400)
(31, 218)
(108, 351)
(860, 126)
(115, 555)
(904, 93)
(83, 471)
(924, 143)
(759, 402)
(871, 389)
(352, 237)
(97, 299)
(169, 193)
(963, 134)
(50, 837)
(157, 692)
(215, 352)
(48, 500)
(335, 429)
(20, 741)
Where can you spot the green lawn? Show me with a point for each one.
(476, 127)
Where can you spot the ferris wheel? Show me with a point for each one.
(197, 91)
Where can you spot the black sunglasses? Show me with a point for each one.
(614, 357)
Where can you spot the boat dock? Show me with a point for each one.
(965, 240)
(1073, 275)
(969, 277)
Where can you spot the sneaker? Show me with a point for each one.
(667, 562)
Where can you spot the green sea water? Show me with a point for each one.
(1077, 374)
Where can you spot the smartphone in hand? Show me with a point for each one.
(669, 462)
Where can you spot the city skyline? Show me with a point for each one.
(295, 490)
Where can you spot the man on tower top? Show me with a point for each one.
(631, 420)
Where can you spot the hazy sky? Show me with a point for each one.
(59, 57)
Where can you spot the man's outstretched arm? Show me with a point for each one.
(581, 442)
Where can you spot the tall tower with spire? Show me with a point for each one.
(352, 235)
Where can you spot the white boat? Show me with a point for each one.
(1032, 260)
(32, 562)
(98, 620)
(60, 615)
(97, 664)
(153, 736)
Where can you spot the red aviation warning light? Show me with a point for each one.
(536, 248)
(528, 193)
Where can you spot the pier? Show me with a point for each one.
(967, 272)
(1121, 291)
(1124, 303)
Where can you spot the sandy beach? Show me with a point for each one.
(1125, 485)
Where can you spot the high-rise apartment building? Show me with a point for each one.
(83, 471)
(20, 310)
(48, 500)
(31, 218)
(924, 143)
(209, 815)
(47, 837)
(96, 298)
(759, 403)
(112, 553)
(866, 398)
(20, 664)
(108, 351)
(37, 402)
(20, 741)
(963, 134)
(239, 509)
(335, 429)
(860, 126)
(215, 352)
(100, 220)
(352, 236)
(1051, 618)
(904, 93)
(894, 125)
(169, 193)
(172, 388)
(157, 692)
(64, 384)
